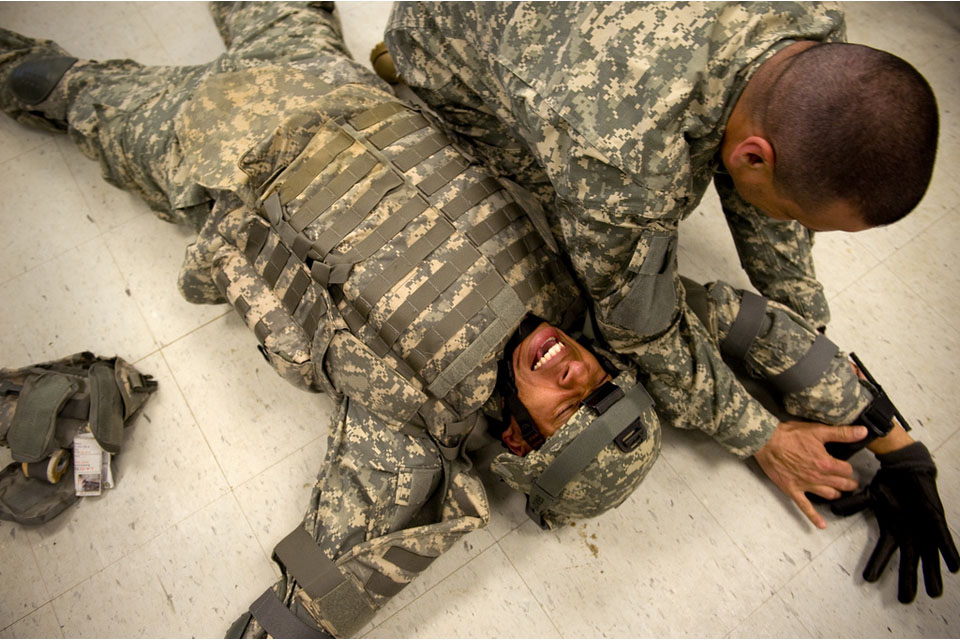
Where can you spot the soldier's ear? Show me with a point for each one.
(753, 153)
(512, 437)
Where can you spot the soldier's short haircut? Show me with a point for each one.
(852, 123)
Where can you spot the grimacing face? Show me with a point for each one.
(553, 374)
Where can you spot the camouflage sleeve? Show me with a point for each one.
(775, 254)
(693, 388)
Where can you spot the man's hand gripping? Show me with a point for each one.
(796, 459)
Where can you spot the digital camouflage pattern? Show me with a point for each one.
(244, 128)
(613, 114)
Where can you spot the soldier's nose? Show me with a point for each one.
(572, 374)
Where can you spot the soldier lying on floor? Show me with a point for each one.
(376, 263)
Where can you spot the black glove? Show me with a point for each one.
(904, 498)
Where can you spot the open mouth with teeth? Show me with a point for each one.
(550, 348)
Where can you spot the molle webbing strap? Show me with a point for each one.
(404, 126)
(296, 179)
(256, 238)
(494, 223)
(291, 299)
(275, 264)
(809, 369)
(376, 114)
(517, 251)
(435, 181)
(356, 323)
(340, 601)
(408, 560)
(575, 457)
(338, 267)
(279, 621)
(403, 264)
(34, 421)
(472, 196)
(454, 320)
(746, 327)
(509, 310)
(335, 189)
(306, 307)
(350, 219)
(381, 585)
(428, 292)
(420, 151)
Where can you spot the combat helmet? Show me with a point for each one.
(596, 459)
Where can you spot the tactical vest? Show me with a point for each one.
(383, 250)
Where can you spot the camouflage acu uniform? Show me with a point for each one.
(307, 165)
(613, 114)
(390, 277)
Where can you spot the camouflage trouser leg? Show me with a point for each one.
(124, 114)
(785, 337)
(120, 113)
(382, 512)
(303, 36)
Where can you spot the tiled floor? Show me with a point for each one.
(219, 466)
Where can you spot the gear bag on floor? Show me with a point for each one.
(42, 408)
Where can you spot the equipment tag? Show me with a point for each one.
(88, 465)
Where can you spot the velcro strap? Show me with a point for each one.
(344, 607)
(106, 407)
(745, 327)
(281, 622)
(34, 422)
(308, 564)
(809, 369)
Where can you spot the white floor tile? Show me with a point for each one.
(250, 416)
(833, 600)
(193, 580)
(106, 205)
(22, 589)
(76, 301)
(707, 547)
(149, 253)
(44, 216)
(659, 565)
(452, 568)
(484, 599)
(762, 522)
(274, 501)
(42, 623)
(930, 266)
(906, 345)
(95, 30)
(774, 619)
(164, 473)
(184, 29)
(18, 139)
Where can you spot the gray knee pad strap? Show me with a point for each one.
(746, 327)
